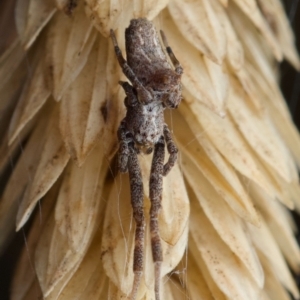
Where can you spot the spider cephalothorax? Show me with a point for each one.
(144, 122)
(154, 87)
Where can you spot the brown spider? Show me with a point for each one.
(155, 87)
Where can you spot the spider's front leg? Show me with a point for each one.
(172, 149)
(155, 188)
(144, 95)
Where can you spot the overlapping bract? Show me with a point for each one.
(239, 152)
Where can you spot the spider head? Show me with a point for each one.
(167, 86)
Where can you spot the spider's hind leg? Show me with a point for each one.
(137, 202)
(156, 188)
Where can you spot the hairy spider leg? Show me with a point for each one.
(156, 188)
(128, 161)
(172, 149)
(131, 99)
(145, 96)
(174, 60)
(123, 147)
(137, 202)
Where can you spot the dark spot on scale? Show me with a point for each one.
(104, 112)
(70, 6)
(50, 68)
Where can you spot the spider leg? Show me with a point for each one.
(137, 202)
(131, 99)
(172, 149)
(175, 62)
(124, 140)
(145, 95)
(156, 187)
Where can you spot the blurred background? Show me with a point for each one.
(290, 81)
(290, 78)
(290, 85)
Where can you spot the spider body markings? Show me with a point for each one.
(154, 87)
(148, 126)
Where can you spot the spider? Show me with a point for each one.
(154, 87)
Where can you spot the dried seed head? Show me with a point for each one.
(236, 168)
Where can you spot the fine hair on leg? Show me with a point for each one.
(172, 149)
(156, 188)
(174, 60)
(137, 202)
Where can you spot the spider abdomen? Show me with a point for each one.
(149, 63)
(144, 52)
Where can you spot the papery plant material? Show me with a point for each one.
(25, 272)
(239, 153)
(34, 96)
(225, 222)
(69, 43)
(29, 23)
(215, 168)
(210, 38)
(201, 74)
(53, 160)
(19, 179)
